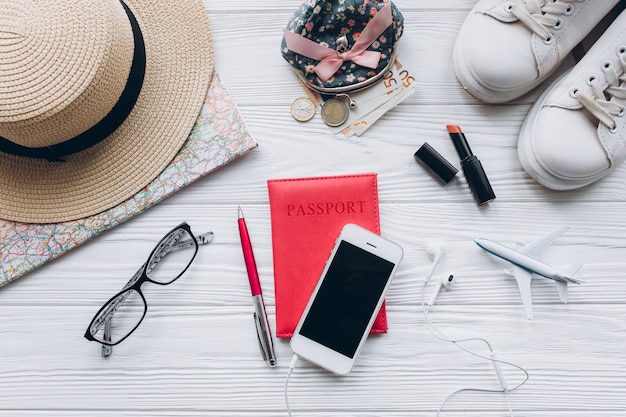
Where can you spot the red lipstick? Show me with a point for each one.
(472, 168)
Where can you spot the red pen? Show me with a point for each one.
(260, 316)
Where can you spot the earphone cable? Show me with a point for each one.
(457, 342)
(292, 366)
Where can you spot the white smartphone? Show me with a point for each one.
(344, 304)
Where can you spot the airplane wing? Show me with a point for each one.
(523, 278)
(535, 248)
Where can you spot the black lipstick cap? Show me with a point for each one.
(436, 164)
(477, 180)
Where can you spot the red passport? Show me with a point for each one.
(307, 215)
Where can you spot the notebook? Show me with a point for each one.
(307, 215)
(219, 136)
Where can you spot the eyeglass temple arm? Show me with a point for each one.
(106, 349)
(202, 239)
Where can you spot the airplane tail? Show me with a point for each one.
(568, 274)
(566, 277)
(561, 286)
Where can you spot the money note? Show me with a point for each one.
(401, 82)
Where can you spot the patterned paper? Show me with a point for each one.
(219, 136)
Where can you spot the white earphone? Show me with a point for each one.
(446, 281)
(434, 250)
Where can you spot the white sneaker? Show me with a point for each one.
(576, 132)
(505, 48)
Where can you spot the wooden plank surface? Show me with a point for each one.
(195, 354)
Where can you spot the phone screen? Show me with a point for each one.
(346, 299)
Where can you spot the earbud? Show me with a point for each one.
(446, 281)
(434, 250)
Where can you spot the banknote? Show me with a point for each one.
(401, 85)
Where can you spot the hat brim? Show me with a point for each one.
(179, 66)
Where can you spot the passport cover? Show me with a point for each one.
(307, 215)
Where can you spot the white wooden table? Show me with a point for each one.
(196, 352)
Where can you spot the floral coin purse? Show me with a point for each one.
(338, 46)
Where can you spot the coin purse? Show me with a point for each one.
(341, 46)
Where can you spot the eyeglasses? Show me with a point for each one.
(167, 262)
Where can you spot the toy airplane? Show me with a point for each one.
(526, 263)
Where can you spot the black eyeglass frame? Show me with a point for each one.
(141, 276)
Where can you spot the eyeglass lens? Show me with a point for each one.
(129, 313)
(171, 257)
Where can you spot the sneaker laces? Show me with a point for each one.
(599, 103)
(539, 15)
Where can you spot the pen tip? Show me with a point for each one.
(239, 212)
(453, 129)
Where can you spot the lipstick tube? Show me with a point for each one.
(471, 166)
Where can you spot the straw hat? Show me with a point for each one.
(96, 98)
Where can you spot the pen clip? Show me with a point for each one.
(266, 344)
